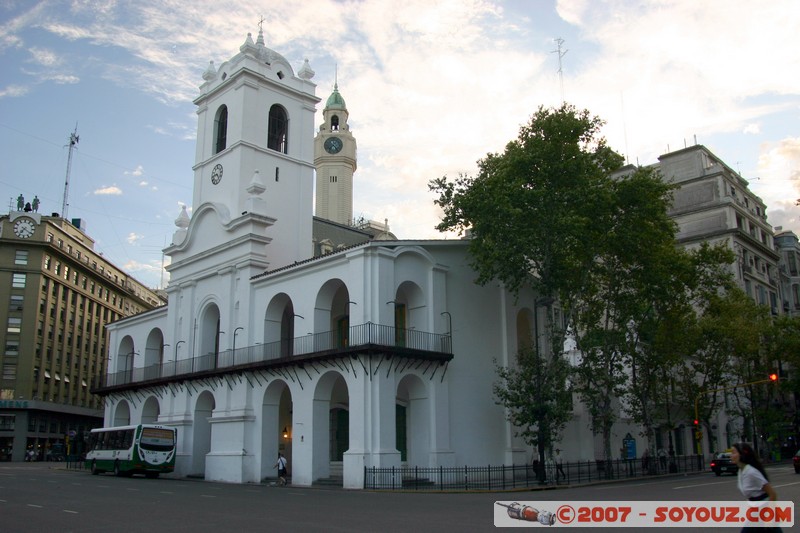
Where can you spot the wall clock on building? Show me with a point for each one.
(333, 145)
(24, 228)
(216, 174)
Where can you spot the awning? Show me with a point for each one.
(83, 382)
(58, 378)
(66, 378)
(47, 373)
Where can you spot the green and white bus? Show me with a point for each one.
(126, 450)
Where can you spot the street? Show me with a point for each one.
(37, 497)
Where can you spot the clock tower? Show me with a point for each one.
(253, 170)
(335, 161)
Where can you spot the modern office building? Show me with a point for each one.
(59, 294)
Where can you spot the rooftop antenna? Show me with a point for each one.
(561, 53)
(73, 140)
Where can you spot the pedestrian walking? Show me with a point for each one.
(752, 479)
(560, 465)
(281, 466)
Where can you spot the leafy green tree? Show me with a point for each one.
(531, 213)
(536, 398)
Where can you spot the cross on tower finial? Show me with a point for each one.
(261, 24)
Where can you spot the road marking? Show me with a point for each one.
(166, 492)
(787, 484)
(3, 501)
(627, 485)
(70, 512)
(52, 481)
(207, 496)
(131, 489)
(33, 505)
(700, 485)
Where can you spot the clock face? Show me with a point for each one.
(24, 228)
(216, 174)
(333, 145)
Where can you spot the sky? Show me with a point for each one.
(431, 88)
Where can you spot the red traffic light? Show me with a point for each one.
(696, 422)
(773, 377)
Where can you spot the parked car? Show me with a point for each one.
(56, 453)
(796, 462)
(722, 463)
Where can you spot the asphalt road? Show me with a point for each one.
(42, 497)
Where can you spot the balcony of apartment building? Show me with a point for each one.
(373, 347)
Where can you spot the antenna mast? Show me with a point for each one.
(561, 53)
(73, 140)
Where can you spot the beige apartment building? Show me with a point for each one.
(56, 297)
(714, 204)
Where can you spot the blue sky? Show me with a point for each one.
(431, 88)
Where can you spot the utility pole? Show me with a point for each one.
(73, 140)
(561, 53)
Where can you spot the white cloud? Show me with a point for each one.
(143, 183)
(113, 190)
(133, 238)
(45, 57)
(138, 171)
(752, 128)
(14, 91)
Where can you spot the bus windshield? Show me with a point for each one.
(157, 439)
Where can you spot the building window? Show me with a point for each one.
(333, 179)
(9, 371)
(16, 302)
(18, 280)
(49, 237)
(335, 123)
(14, 324)
(221, 129)
(12, 347)
(278, 129)
(7, 422)
(47, 260)
(21, 257)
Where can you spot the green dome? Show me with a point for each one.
(335, 100)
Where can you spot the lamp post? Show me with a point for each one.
(235, 331)
(177, 345)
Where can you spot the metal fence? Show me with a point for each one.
(505, 477)
(328, 341)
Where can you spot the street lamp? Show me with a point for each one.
(235, 331)
(177, 345)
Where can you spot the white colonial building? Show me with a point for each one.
(378, 353)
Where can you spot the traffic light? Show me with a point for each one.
(773, 377)
(696, 423)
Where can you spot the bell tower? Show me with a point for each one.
(335, 161)
(253, 170)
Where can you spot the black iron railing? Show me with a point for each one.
(504, 477)
(328, 342)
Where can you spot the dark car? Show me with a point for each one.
(56, 453)
(796, 462)
(722, 463)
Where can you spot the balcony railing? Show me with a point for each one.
(309, 347)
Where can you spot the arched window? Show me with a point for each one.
(335, 123)
(278, 130)
(221, 129)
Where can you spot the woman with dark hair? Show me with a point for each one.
(752, 478)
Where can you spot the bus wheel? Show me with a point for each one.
(117, 471)
(151, 475)
(95, 471)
